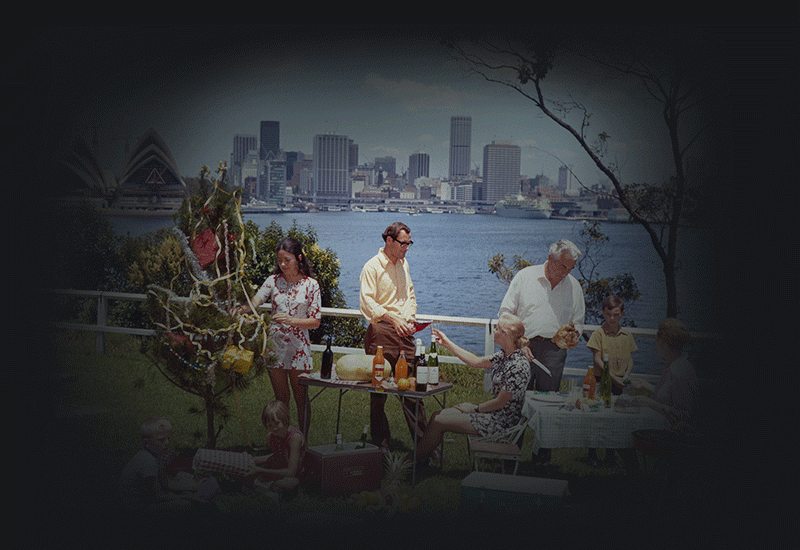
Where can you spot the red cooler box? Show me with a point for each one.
(349, 470)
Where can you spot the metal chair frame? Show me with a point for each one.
(501, 446)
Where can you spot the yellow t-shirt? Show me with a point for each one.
(618, 346)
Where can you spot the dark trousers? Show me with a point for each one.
(383, 334)
(552, 357)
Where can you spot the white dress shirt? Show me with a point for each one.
(543, 310)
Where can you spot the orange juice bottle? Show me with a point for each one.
(589, 383)
(377, 367)
(401, 368)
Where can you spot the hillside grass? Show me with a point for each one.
(97, 403)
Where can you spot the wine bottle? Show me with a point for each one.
(327, 361)
(422, 370)
(605, 382)
(433, 364)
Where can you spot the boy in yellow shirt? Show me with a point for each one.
(619, 344)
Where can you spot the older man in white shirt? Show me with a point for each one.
(546, 297)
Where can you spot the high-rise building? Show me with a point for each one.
(353, 163)
(501, 167)
(418, 166)
(331, 167)
(274, 181)
(566, 181)
(242, 145)
(270, 139)
(387, 164)
(460, 147)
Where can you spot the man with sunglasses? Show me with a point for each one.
(388, 302)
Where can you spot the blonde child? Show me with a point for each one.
(281, 470)
(144, 486)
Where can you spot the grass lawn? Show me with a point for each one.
(97, 402)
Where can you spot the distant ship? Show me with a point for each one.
(523, 207)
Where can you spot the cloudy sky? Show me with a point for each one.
(392, 91)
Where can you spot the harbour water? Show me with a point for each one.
(450, 255)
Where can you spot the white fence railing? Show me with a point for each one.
(102, 327)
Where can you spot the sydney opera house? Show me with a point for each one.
(150, 183)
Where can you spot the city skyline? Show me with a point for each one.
(391, 97)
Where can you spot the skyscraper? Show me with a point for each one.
(418, 166)
(242, 145)
(331, 167)
(460, 146)
(501, 166)
(270, 139)
(566, 182)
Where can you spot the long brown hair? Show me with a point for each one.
(293, 247)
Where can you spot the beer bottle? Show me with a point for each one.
(327, 361)
(363, 442)
(605, 382)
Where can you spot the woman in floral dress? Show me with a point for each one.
(510, 372)
(295, 298)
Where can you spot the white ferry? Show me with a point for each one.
(523, 207)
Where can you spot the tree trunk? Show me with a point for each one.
(211, 443)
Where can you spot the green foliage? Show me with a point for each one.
(498, 267)
(81, 249)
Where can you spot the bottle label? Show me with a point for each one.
(433, 375)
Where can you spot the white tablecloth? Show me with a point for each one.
(555, 426)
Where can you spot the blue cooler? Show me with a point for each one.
(486, 492)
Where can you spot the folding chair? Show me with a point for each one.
(501, 446)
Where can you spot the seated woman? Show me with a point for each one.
(510, 372)
(675, 394)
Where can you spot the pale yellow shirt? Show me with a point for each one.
(386, 287)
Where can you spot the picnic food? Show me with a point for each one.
(358, 367)
(566, 337)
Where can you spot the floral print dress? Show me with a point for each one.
(300, 299)
(512, 374)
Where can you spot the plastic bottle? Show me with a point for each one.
(401, 367)
(327, 362)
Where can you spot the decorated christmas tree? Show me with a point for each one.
(200, 346)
